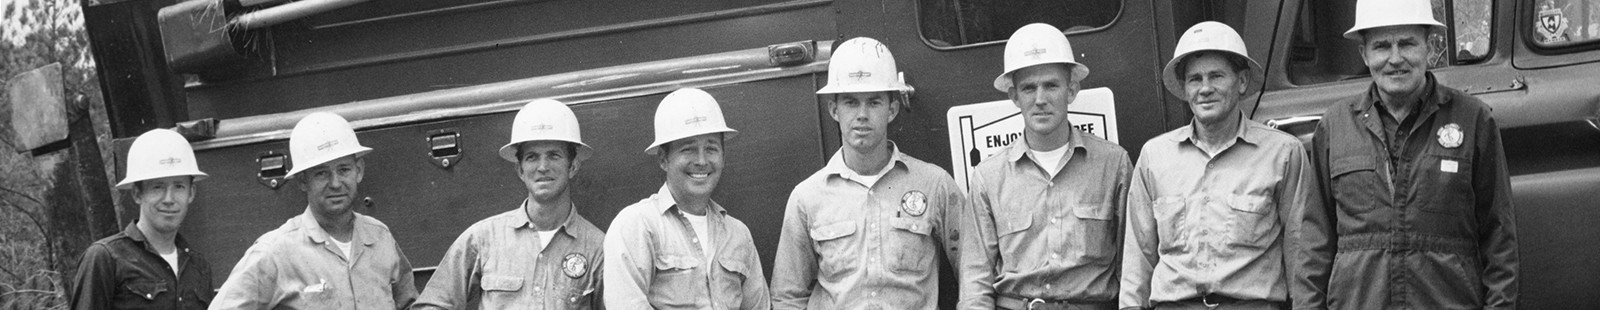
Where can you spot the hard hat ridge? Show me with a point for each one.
(160, 153)
(545, 119)
(321, 137)
(687, 112)
(1037, 44)
(1210, 36)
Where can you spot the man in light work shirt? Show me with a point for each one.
(1213, 206)
(1046, 227)
(542, 255)
(864, 232)
(678, 249)
(149, 265)
(329, 257)
(1417, 201)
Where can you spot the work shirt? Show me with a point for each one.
(123, 272)
(1034, 236)
(1418, 216)
(1222, 225)
(297, 267)
(497, 264)
(847, 246)
(653, 259)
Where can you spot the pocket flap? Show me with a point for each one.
(502, 283)
(735, 266)
(1012, 224)
(148, 290)
(1251, 203)
(1095, 211)
(917, 226)
(1352, 164)
(669, 262)
(833, 231)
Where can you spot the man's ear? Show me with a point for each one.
(361, 169)
(832, 105)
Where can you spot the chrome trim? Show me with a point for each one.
(1291, 121)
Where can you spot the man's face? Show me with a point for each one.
(1213, 87)
(331, 187)
(1397, 58)
(693, 164)
(164, 202)
(1043, 92)
(545, 167)
(864, 118)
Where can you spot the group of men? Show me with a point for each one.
(1401, 202)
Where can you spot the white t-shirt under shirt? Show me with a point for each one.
(343, 247)
(868, 180)
(698, 222)
(1049, 160)
(172, 260)
(544, 238)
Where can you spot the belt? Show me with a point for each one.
(1021, 303)
(1214, 301)
(1407, 241)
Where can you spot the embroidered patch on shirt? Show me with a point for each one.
(1447, 165)
(574, 265)
(914, 203)
(322, 285)
(1450, 136)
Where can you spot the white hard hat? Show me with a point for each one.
(862, 65)
(688, 112)
(1037, 44)
(319, 138)
(160, 153)
(1382, 13)
(1209, 36)
(544, 119)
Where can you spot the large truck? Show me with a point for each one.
(432, 85)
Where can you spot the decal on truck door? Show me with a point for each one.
(980, 130)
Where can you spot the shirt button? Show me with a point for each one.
(1047, 286)
(1053, 220)
(874, 294)
(696, 240)
(1055, 256)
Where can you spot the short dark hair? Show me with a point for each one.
(1238, 63)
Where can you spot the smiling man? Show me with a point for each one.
(329, 257)
(541, 255)
(864, 232)
(1416, 198)
(678, 249)
(1214, 205)
(148, 265)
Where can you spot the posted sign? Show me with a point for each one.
(980, 130)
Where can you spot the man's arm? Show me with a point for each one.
(454, 282)
(404, 289)
(755, 291)
(979, 250)
(252, 284)
(1300, 208)
(794, 269)
(96, 282)
(1497, 228)
(1139, 254)
(629, 264)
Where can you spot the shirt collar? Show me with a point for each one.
(1432, 95)
(522, 220)
(665, 202)
(1249, 132)
(1016, 151)
(308, 225)
(837, 167)
(133, 233)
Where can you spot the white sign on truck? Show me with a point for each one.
(980, 130)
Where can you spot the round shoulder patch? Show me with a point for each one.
(574, 265)
(1450, 136)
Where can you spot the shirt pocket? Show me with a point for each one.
(833, 246)
(1253, 218)
(1096, 229)
(676, 281)
(142, 294)
(911, 244)
(733, 274)
(501, 291)
(1357, 187)
(1446, 184)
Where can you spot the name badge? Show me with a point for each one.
(1447, 165)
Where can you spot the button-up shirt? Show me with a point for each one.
(1418, 215)
(497, 264)
(847, 246)
(1201, 225)
(653, 259)
(297, 266)
(123, 272)
(1034, 236)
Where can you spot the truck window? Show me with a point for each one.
(1319, 53)
(1560, 23)
(957, 23)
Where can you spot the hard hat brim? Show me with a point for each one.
(1354, 34)
(727, 134)
(357, 151)
(509, 151)
(1169, 76)
(837, 89)
(128, 182)
(1003, 82)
